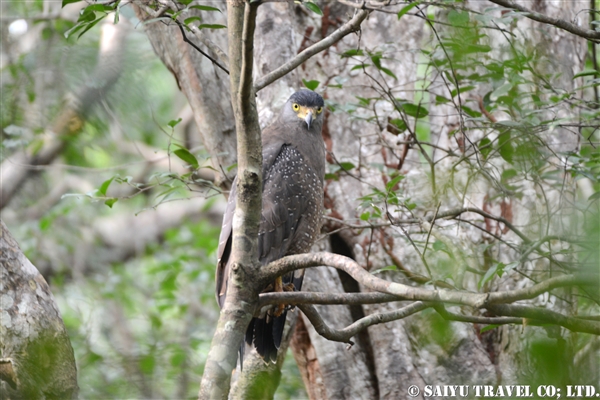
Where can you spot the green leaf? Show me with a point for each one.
(410, 205)
(586, 72)
(360, 66)
(439, 245)
(363, 101)
(470, 112)
(104, 187)
(476, 48)
(174, 122)
(399, 124)
(501, 91)
(490, 273)
(388, 268)
(178, 358)
(313, 7)
(110, 202)
(87, 16)
(90, 26)
(191, 19)
(391, 184)
(205, 8)
(508, 174)
(211, 26)
(312, 85)
(509, 267)
(485, 147)
(99, 7)
(407, 8)
(347, 166)
(440, 100)
(365, 216)
(187, 157)
(462, 90)
(376, 58)
(414, 110)
(352, 52)
(488, 328)
(505, 147)
(147, 362)
(388, 72)
(458, 18)
(65, 2)
(595, 196)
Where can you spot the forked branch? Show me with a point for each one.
(344, 335)
(463, 297)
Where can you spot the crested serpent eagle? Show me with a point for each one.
(292, 200)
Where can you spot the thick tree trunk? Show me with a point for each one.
(36, 357)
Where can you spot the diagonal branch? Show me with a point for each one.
(351, 26)
(344, 335)
(559, 23)
(198, 49)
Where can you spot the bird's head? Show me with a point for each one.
(307, 106)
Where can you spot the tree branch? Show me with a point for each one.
(185, 39)
(476, 300)
(344, 335)
(296, 298)
(559, 23)
(242, 288)
(351, 26)
(572, 324)
(447, 315)
(210, 45)
(531, 292)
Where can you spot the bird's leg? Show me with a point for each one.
(278, 289)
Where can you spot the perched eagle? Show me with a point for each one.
(292, 200)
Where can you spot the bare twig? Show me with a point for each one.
(185, 39)
(571, 323)
(349, 27)
(210, 45)
(559, 23)
(475, 319)
(344, 335)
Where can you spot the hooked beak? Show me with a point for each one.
(309, 118)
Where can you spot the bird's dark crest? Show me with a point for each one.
(308, 98)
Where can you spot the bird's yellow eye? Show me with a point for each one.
(319, 110)
(295, 106)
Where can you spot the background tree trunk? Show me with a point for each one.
(36, 357)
